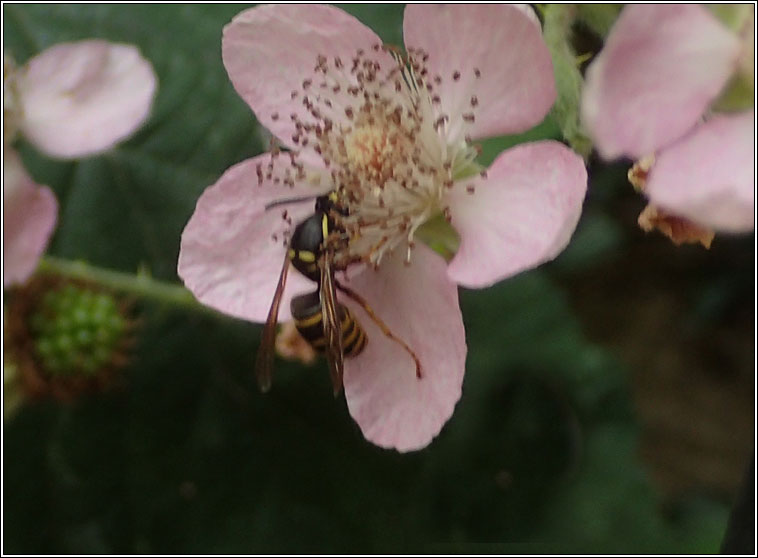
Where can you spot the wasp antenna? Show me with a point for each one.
(289, 200)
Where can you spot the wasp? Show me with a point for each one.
(322, 321)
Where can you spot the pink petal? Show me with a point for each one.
(29, 215)
(529, 12)
(661, 67)
(708, 176)
(521, 215)
(393, 408)
(269, 51)
(228, 257)
(516, 87)
(82, 98)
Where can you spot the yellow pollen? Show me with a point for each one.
(369, 147)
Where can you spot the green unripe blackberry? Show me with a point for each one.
(76, 331)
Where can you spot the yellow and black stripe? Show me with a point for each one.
(306, 310)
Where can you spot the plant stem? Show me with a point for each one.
(139, 284)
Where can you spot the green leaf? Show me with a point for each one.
(128, 207)
(599, 17)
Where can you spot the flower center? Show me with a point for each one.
(370, 148)
(391, 153)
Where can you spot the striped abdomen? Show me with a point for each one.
(306, 310)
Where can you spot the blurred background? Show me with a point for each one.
(608, 404)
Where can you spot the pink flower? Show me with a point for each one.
(29, 215)
(650, 92)
(70, 101)
(78, 99)
(395, 142)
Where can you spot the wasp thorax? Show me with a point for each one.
(391, 152)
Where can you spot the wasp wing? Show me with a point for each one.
(331, 321)
(264, 361)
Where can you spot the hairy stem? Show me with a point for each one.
(140, 284)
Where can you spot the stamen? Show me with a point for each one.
(387, 147)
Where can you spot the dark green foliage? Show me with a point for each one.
(76, 331)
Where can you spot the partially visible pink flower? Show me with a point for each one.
(71, 100)
(650, 91)
(395, 142)
(78, 99)
(29, 215)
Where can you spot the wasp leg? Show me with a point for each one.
(377, 320)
